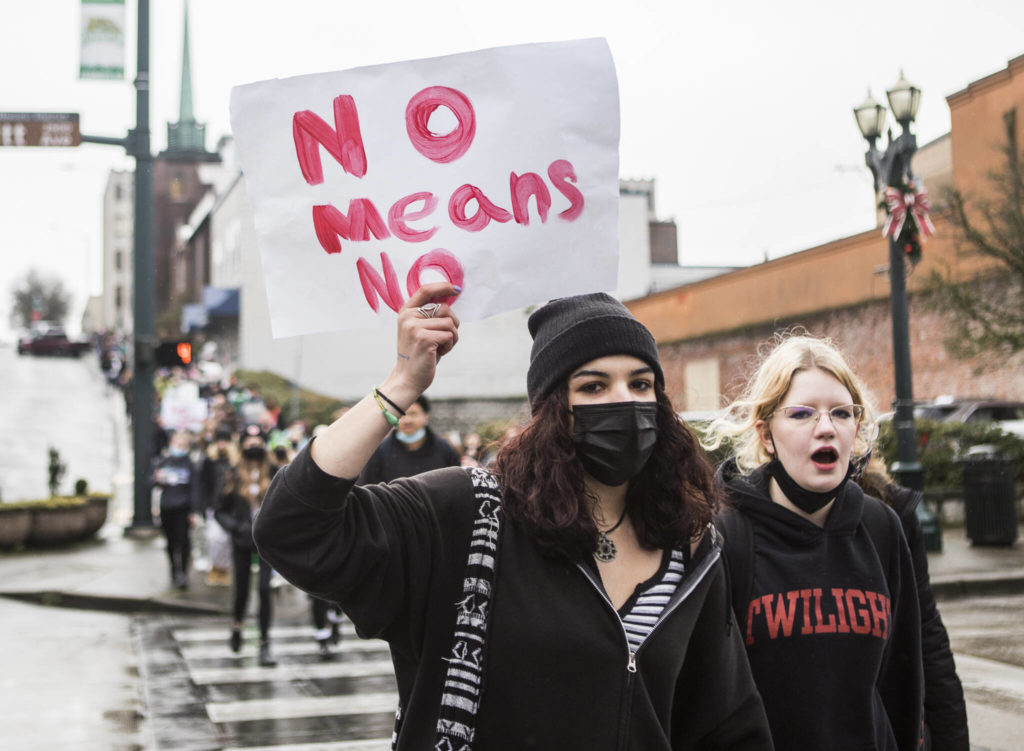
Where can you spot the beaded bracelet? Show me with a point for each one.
(392, 420)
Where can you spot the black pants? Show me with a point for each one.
(241, 559)
(179, 546)
(320, 608)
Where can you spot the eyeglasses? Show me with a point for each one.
(844, 416)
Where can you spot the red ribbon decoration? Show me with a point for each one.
(913, 202)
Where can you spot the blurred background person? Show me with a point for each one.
(244, 488)
(176, 476)
(410, 449)
(221, 457)
(326, 624)
(471, 450)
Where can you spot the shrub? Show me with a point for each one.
(941, 445)
(313, 407)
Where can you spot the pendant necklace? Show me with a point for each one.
(606, 550)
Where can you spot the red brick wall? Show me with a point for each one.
(864, 334)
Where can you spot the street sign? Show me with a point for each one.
(39, 129)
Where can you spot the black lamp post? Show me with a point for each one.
(891, 168)
(137, 144)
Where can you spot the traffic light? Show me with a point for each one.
(174, 354)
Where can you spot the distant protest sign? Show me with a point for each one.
(496, 170)
(181, 408)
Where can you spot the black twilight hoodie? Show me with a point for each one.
(831, 624)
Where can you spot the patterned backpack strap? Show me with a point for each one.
(456, 722)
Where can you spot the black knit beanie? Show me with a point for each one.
(571, 331)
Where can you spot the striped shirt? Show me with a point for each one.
(649, 604)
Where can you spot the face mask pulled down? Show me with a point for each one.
(806, 500)
(614, 441)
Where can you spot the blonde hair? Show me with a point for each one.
(785, 355)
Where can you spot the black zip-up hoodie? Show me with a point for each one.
(559, 673)
(831, 624)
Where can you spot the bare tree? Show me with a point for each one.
(38, 297)
(986, 314)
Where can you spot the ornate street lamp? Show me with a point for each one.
(907, 209)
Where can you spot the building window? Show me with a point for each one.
(117, 260)
(118, 298)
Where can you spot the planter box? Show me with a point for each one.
(54, 526)
(15, 527)
(95, 513)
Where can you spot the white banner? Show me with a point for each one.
(103, 39)
(496, 170)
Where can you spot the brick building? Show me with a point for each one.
(709, 331)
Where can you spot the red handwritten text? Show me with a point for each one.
(449, 147)
(469, 208)
(344, 142)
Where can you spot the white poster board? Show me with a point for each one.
(496, 170)
(181, 408)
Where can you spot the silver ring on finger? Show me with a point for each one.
(429, 310)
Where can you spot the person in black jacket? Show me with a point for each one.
(245, 485)
(410, 449)
(176, 476)
(587, 608)
(945, 712)
(822, 579)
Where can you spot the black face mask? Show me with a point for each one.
(806, 500)
(614, 441)
(256, 453)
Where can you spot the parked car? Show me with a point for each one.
(50, 340)
(1007, 414)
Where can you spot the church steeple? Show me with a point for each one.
(186, 139)
(185, 111)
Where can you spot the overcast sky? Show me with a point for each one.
(741, 111)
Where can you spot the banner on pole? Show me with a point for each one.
(103, 39)
(496, 170)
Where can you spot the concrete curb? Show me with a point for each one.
(113, 604)
(978, 585)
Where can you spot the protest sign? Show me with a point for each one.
(496, 170)
(181, 408)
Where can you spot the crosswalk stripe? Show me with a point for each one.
(276, 632)
(222, 651)
(291, 671)
(307, 706)
(377, 744)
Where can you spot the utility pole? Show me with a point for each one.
(137, 144)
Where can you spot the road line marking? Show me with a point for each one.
(276, 632)
(307, 706)
(222, 651)
(291, 672)
(377, 744)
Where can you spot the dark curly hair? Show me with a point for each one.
(670, 502)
